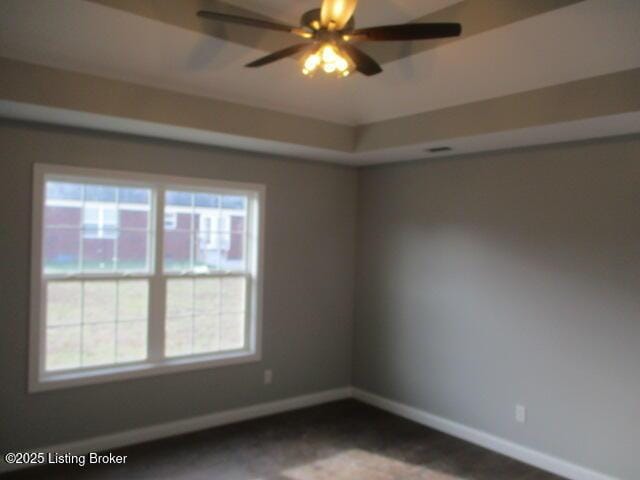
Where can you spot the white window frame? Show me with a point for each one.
(156, 363)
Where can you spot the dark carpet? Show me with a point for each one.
(344, 440)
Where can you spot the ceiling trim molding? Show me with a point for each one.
(25, 112)
(603, 106)
(49, 87)
(600, 96)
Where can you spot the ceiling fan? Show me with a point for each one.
(329, 33)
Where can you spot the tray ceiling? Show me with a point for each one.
(510, 47)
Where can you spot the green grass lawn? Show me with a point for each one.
(103, 322)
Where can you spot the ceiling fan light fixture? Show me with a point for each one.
(330, 59)
(332, 38)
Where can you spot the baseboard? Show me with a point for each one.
(203, 422)
(505, 447)
(130, 437)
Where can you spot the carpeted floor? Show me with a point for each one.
(339, 441)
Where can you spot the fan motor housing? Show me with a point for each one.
(312, 16)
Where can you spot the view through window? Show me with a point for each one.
(139, 272)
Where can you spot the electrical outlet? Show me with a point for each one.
(268, 377)
(521, 414)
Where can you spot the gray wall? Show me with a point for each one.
(308, 292)
(483, 281)
(507, 278)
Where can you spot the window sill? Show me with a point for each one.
(54, 381)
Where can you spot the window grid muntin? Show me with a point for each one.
(101, 225)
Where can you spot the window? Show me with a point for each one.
(137, 274)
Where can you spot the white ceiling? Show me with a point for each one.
(549, 49)
(583, 40)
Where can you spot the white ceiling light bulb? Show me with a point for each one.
(329, 55)
(312, 62)
(329, 67)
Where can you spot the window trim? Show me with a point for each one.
(155, 364)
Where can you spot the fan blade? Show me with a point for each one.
(364, 63)
(250, 22)
(409, 31)
(337, 13)
(279, 55)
